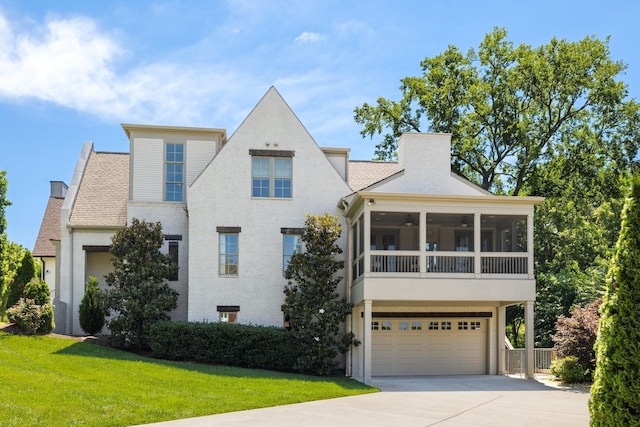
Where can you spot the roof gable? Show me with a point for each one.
(271, 129)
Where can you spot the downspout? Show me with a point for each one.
(349, 326)
(71, 284)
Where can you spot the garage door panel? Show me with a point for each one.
(410, 339)
(422, 351)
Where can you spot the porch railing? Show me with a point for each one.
(453, 262)
(515, 360)
(383, 263)
(504, 263)
(449, 262)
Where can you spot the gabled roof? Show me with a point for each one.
(364, 173)
(101, 200)
(49, 229)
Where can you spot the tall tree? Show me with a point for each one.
(5, 272)
(4, 202)
(315, 311)
(511, 110)
(615, 393)
(138, 294)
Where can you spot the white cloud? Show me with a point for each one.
(72, 63)
(307, 37)
(76, 64)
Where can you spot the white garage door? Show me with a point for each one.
(429, 346)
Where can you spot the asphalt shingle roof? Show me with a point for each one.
(365, 173)
(49, 229)
(103, 193)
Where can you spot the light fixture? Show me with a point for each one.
(371, 202)
(464, 223)
(409, 222)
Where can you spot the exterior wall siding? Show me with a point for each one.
(198, 156)
(49, 274)
(80, 238)
(147, 169)
(339, 162)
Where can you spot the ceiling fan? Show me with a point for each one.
(409, 221)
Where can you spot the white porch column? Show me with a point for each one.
(366, 344)
(367, 238)
(422, 242)
(502, 330)
(528, 338)
(477, 242)
(530, 246)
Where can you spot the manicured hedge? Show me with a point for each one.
(247, 346)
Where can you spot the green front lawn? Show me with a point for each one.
(58, 381)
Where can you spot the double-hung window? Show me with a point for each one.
(291, 245)
(228, 251)
(174, 173)
(271, 173)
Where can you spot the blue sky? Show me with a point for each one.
(73, 71)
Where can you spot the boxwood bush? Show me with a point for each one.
(247, 346)
(569, 370)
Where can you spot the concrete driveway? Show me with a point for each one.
(479, 400)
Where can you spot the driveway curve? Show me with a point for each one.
(443, 401)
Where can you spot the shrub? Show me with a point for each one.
(247, 346)
(38, 291)
(91, 312)
(576, 335)
(29, 316)
(568, 370)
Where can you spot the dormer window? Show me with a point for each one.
(271, 174)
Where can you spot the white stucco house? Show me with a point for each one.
(432, 260)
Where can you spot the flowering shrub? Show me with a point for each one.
(28, 315)
(38, 291)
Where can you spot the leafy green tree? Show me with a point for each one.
(511, 110)
(38, 291)
(615, 393)
(91, 312)
(138, 294)
(12, 254)
(5, 271)
(315, 311)
(552, 121)
(3, 201)
(24, 274)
